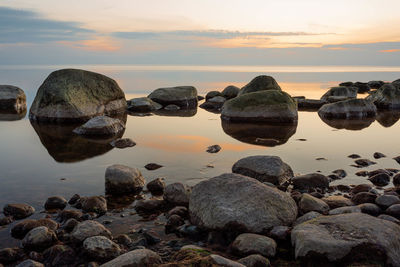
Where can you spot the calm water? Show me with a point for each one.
(33, 160)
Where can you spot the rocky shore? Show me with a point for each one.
(262, 213)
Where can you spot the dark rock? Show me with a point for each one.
(69, 214)
(306, 217)
(280, 233)
(157, 186)
(370, 209)
(97, 204)
(21, 229)
(174, 221)
(255, 260)
(346, 84)
(348, 109)
(12, 98)
(260, 83)
(87, 229)
(248, 244)
(142, 104)
(341, 173)
(100, 248)
(337, 201)
(344, 210)
(381, 179)
(343, 188)
(364, 162)
(362, 173)
(181, 96)
(361, 188)
(309, 203)
(394, 211)
(354, 156)
(378, 155)
(74, 199)
(39, 239)
(101, 126)
(124, 240)
(340, 91)
(212, 94)
(396, 180)
(386, 97)
(389, 218)
(375, 84)
(59, 255)
(230, 91)
(385, 201)
(310, 104)
(10, 255)
(177, 194)
(149, 205)
(379, 171)
(362, 87)
(213, 149)
(55, 202)
(6, 220)
(123, 143)
(18, 210)
(363, 197)
(87, 95)
(153, 166)
(310, 181)
(69, 225)
(397, 159)
(180, 211)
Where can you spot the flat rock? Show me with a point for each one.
(120, 179)
(123, 143)
(101, 126)
(18, 210)
(72, 95)
(247, 244)
(378, 155)
(135, 258)
(348, 238)
(264, 168)
(364, 162)
(313, 104)
(181, 96)
(153, 166)
(260, 83)
(236, 201)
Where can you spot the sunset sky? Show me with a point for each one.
(253, 32)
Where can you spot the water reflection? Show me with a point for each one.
(12, 115)
(260, 134)
(349, 124)
(66, 147)
(388, 118)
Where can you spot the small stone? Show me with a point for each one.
(341, 173)
(343, 210)
(101, 126)
(122, 179)
(363, 197)
(55, 202)
(364, 162)
(378, 155)
(394, 211)
(59, 255)
(174, 221)
(337, 201)
(6, 220)
(39, 239)
(379, 171)
(153, 166)
(354, 156)
(149, 205)
(396, 180)
(362, 173)
(123, 143)
(100, 248)
(281, 233)
(21, 229)
(381, 179)
(389, 218)
(74, 199)
(361, 188)
(181, 211)
(69, 225)
(213, 149)
(310, 181)
(397, 159)
(385, 201)
(124, 240)
(247, 244)
(69, 214)
(136, 258)
(10, 255)
(18, 211)
(157, 186)
(96, 204)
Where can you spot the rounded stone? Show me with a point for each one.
(230, 91)
(96, 204)
(181, 96)
(177, 194)
(18, 210)
(255, 260)
(101, 126)
(122, 179)
(39, 239)
(12, 98)
(348, 109)
(385, 201)
(260, 83)
(100, 248)
(87, 229)
(309, 203)
(143, 104)
(157, 186)
(310, 181)
(135, 258)
(55, 202)
(247, 244)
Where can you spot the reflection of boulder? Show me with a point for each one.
(65, 146)
(349, 124)
(260, 133)
(388, 118)
(176, 113)
(7, 115)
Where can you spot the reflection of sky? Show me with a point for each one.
(179, 143)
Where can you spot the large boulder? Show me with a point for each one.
(347, 238)
(386, 97)
(135, 258)
(340, 91)
(12, 98)
(143, 104)
(182, 96)
(264, 168)
(122, 179)
(260, 83)
(101, 126)
(348, 109)
(271, 106)
(236, 201)
(72, 95)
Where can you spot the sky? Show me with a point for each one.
(207, 32)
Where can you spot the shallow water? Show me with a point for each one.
(33, 160)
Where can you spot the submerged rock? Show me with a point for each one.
(386, 97)
(182, 96)
(122, 179)
(348, 238)
(233, 201)
(348, 109)
(76, 95)
(153, 166)
(340, 91)
(101, 126)
(271, 106)
(214, 103)
(142, 104)
(264, 168)
(260, 83)
(12, 98)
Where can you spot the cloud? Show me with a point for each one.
(23, 26)
(390, 51)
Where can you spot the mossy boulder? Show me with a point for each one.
(386, 97)
(340, 91)
(348, 109)
(271, 106)
(182, 96)
(72, 95)
(260, 83)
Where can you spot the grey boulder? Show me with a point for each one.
(386, 97)
(101, 126)
(39, 239)
(230, 91)
(181, 96)
(100, 248)
(87, 229)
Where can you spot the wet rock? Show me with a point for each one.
(87, 229)
(364, 162)
(264, 168)
(87, 95)
(182, 96)
(97, 204)
(213, 149)
(337, 201)
(340, 91)
(396, 180)
(346, 84)
(343, 188)
(18, 210)
(153, 166)
(74, 199)
(12, 98)
(375, 84)
(271, 106)
(230, 91)
(255, 260)
(221, 261)
(59, 255)
(122, 179)
(177, 194)
(69, 214)
(386, 97)
(362, 173)
(381, 179)
(310, 181)
(394, 211)
(212, 94)
(260, 83)
(340, 172)
(180, 211)
(385, 201)
(347, 237)
(361, 188)
(101, 126)
(309, 203)
(123, 143)
(247, 244)
(39, 239)
(344, 210)
(142, 104)
(6, 220)
(397, 159)
(348, 109)
(21, 229)
(157, 186)
(389, 218)
(310, 104)
(354, 156)
(55, 202)
(232, 201)
(135, 258)
(174, 221)
(362, 87)
(280, 233)
(149, 205)
(214, 104)
(100, 248)
(379, 171)
(30, 263)
(363, 197)
(10, 255)
(378, 155)
(370, 209)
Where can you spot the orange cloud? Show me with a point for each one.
(337, 48)
(390, 51)
(97, 44)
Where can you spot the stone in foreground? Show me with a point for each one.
(247, 244)
(135, 258)
(12, 98)
(260, 83)
(348, 109)
(264, 168)
(122, 179)
(182, 96)
(101, 126)
(347, 238)
(72, 95)
(271, 106)
(231, 201)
